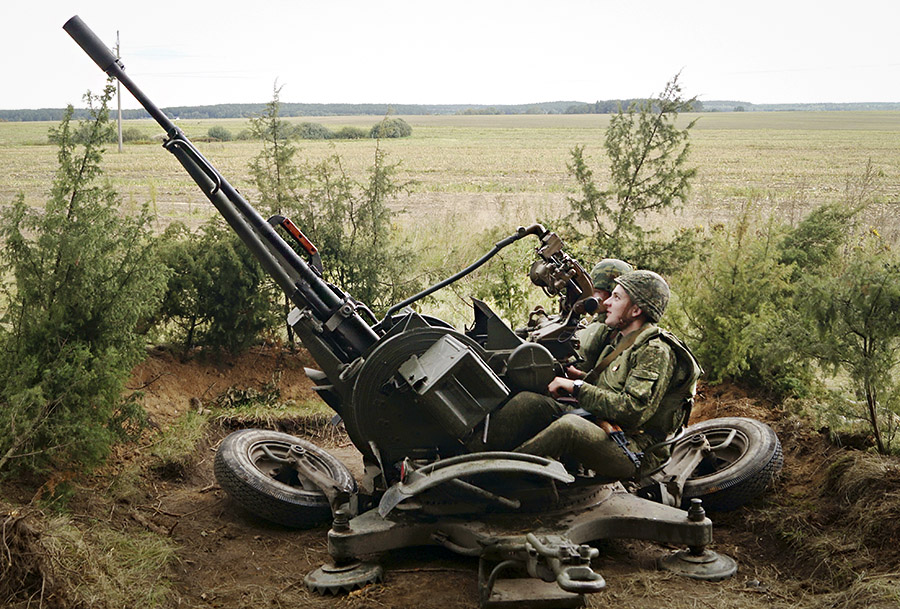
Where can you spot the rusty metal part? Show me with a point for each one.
(705, 565)
(334, 579)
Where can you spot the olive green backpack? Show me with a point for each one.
(675, 406)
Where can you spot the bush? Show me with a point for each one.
(351, 133)
(218, 296)
(133, 134)
(349, 221)
(846, 320)
(738, 303)
(80, 283)
(312, 131)
(219, 133)
(391, 128)
(730, 303)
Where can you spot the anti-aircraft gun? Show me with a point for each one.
(411, 389)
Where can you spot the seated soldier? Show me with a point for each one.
(597, 334)
(624, 388)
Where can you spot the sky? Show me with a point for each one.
(188, 53)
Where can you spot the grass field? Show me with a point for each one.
(480, 170)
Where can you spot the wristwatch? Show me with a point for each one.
(576, 388)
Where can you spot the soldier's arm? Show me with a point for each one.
(644, 387)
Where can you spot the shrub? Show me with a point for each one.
(730, 302)
(648, 173)
(739, 304)
(79, 282)
(219, 133)
(218, 296)
(391, 128)
(349, 221)
(351, 133)
(133, 134)
(311, 131)
(846, 319)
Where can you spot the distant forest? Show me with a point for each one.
(558, 107)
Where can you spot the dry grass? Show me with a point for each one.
(476, 168)
(54, 562)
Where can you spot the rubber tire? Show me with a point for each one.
(740, 473)
(242, 470)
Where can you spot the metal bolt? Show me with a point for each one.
(341, 523)
(696, 513)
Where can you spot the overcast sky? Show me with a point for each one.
(483, 52)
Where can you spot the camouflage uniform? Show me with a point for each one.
(627, 393)
(593, 338)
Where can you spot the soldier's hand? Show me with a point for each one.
(560, 387)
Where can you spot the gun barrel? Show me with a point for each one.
(348, 334)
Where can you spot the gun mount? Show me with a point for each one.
(411, 389)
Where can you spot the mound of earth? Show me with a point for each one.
(825, 535)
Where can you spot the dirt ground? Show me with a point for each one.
(228, 558)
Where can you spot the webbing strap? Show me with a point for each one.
(603, 364)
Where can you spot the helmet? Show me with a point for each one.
(606, 270)
(647, 290)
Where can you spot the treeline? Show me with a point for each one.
(610, 106)
(293, 110)
(741, 106)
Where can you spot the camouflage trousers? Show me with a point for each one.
(539, 425)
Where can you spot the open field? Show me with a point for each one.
(512, 169)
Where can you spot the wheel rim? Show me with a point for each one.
(724, 458)
(260, 455)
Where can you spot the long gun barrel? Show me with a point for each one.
(332, 315)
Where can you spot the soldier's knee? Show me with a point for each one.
(576, 423)
(574, 427)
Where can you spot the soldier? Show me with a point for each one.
(625, 388)
(597, 334)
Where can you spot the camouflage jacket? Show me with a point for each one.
(593, 338)
(629, 390)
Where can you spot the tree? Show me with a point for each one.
(80, 280)
(847, 320)
(738, 302)
(349, 221)
(277, 177)
(648, 174)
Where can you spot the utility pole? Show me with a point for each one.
(119, 93)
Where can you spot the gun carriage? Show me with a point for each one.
(411, 389)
